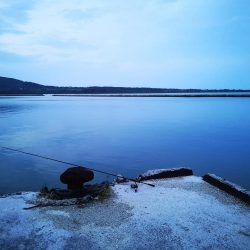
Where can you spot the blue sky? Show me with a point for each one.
(160, 43)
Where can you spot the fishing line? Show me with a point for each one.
(73, 164)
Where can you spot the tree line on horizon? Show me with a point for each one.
(10, 86)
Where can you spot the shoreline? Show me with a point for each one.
(137, 95)
(152, 95)
(3, 95)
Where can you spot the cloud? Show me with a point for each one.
(124, 40)
(94, 32)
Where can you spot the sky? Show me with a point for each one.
(151, 43)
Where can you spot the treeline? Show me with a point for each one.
(10, 86)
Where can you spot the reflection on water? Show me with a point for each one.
(9, 105)
(8, 109)
(123, 135)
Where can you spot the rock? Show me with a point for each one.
(75, 177)
(165, 173)
(88, 198)
(228, 187)
(120, 179)
(134, 185)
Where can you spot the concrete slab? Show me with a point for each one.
(179, 213)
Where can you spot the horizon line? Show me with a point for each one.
(106, 86)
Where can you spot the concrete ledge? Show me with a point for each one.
(228, 187)
(165, 173)
(179, 213)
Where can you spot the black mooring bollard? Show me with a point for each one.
(75, 177)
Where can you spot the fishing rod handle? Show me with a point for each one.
(134, 180)
(152, 185)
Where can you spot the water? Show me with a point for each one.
(123, 135)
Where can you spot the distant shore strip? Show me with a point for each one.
(134, 95)
(158, 95)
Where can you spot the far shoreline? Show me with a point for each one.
(153, 95)
(3, 95)
(135, 95)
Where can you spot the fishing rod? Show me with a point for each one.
(73, 164)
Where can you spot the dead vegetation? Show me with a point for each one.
(79, 198)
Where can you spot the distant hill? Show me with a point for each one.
(13, 86)
(10, 86)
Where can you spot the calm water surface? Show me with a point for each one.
(123, 135)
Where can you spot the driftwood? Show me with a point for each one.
(41, 205)
(46, 205)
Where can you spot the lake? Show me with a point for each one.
(123, 135)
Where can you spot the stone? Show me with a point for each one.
(75, 177)
(165, 173)
(228, 187)
(120, 179)
(134, 185)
